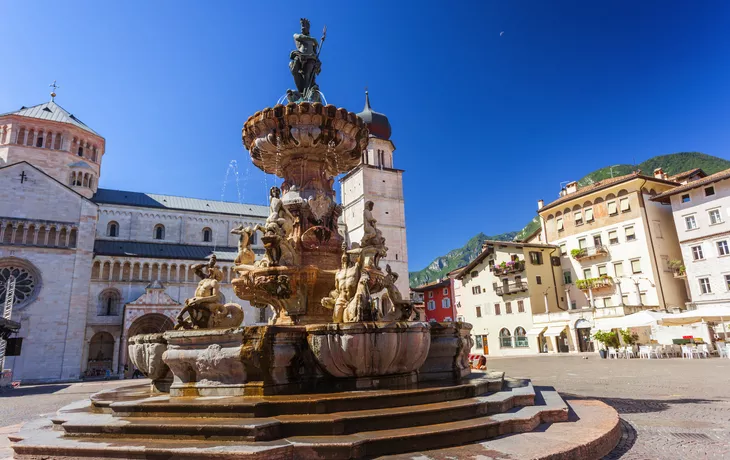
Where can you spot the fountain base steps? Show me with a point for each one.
(134, 423)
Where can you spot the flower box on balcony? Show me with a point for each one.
(506, 268)
(589, 253)
(604, 282)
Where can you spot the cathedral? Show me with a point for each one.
(84, 268)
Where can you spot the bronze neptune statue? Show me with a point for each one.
(305, 65)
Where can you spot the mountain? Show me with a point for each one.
(455, 259)
(673, 163)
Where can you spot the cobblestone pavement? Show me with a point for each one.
(27, 403)
(670, 408)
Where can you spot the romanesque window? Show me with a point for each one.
(39, 140)
(57, 143)
(80, 152)
(112, 229)
(18, 283)
(21, 136)
(159, 232)
(109, 301)
(207, 235)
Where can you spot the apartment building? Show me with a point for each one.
(701, 214)
(438, 299)
(500, 291)
(616, 245)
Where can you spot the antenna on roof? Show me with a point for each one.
(53, 91)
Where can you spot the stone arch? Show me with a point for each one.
(173, 273)
(52, 236)
(183, 273)
(116, 271)
(62, 237)
(18, 234)
(110, 300)
(112, 229)
(101, 353)
(31, 135)
(587, 203)
(155, 272)
(550, 217)
(164, 270)
(57, 143)
(576, 207)
(135, 272)
(72, 238)
(622, 192)
(127, 271)
(96, 270)
(21, 136)
(159, 232)
(598, 200)
(150, 324)
(106, 271)
(146, 272)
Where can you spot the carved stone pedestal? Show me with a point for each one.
(146, 354)
(448, 357)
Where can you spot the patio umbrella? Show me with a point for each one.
(711, 313)
(641, 319)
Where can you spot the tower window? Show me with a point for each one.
(159, 232)
(80, 152)
(113, 229)
(207, 235)
(39, 141)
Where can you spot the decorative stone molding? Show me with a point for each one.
(448, 357)
(369, 349)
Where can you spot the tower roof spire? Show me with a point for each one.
(53, 91)
(377, 123)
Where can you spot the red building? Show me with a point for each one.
(438, 300)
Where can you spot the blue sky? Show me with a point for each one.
(484, 124)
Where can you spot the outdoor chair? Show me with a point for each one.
(644, 352)
(612, 353)
(629, 352)
(703, 351)
(656, 351)
(689, 352)
(722, 351)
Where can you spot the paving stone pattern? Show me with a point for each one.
(670, 408)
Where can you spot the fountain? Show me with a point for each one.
(334, 374)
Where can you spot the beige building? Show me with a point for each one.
(616, 245)
(376, 179)
(503, 288)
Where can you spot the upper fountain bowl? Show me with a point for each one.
(282, 137)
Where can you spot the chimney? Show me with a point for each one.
(659, 174)
(540, 204)
(571, 187)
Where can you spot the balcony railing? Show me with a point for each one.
(604, 282)
(513, 288)
(509, 267)
(589, 253)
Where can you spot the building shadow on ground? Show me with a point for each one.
(34, 390)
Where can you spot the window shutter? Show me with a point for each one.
(578, 216)
(589, 214)
(624, 204)
(560, 224)
(612, 207)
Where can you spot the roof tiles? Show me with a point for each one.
(52, 112)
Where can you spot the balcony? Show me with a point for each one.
(589, 253)
(595, 284)
(512, 288)
(505, 268)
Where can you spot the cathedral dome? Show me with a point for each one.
(377, 123)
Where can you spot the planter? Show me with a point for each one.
(370, 349)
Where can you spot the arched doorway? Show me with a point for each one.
(101, 354)
(150, 323)
(583, 328)
(562, 339)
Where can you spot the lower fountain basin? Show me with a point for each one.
(371, 349)
(145, 353)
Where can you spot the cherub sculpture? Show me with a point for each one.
(206, 309)
(245, 256)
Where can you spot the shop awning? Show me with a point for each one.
(554, 331)
(537, 330)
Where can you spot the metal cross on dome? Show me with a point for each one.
(53, 91)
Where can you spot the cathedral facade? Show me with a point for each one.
(83, 268)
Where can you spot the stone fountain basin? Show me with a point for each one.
(369, 349)
(146, 352)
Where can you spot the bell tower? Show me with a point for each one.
(54, 140)
(376, 179)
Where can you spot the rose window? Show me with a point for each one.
(18, 283)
